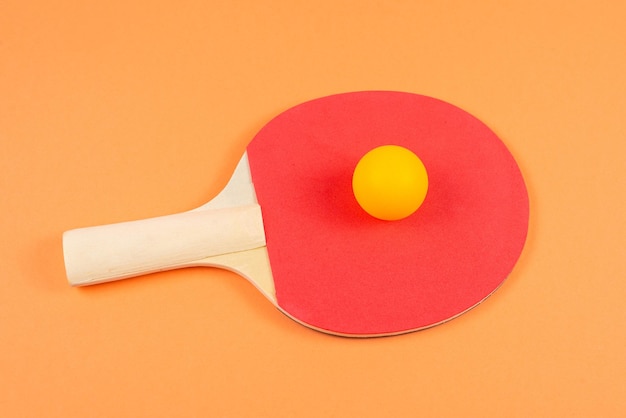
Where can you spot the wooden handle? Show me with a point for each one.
(112, 252)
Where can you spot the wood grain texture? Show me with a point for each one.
(226, 226)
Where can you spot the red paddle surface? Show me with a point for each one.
(339, 269)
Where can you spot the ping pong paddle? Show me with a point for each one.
(288, 222)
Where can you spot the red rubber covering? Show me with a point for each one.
(338, 269)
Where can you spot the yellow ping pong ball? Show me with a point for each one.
(390, 182)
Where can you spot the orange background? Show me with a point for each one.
(121, 110)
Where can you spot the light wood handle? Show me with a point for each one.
(112, 252)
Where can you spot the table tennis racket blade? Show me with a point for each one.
(340, 270)
(313, 253)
